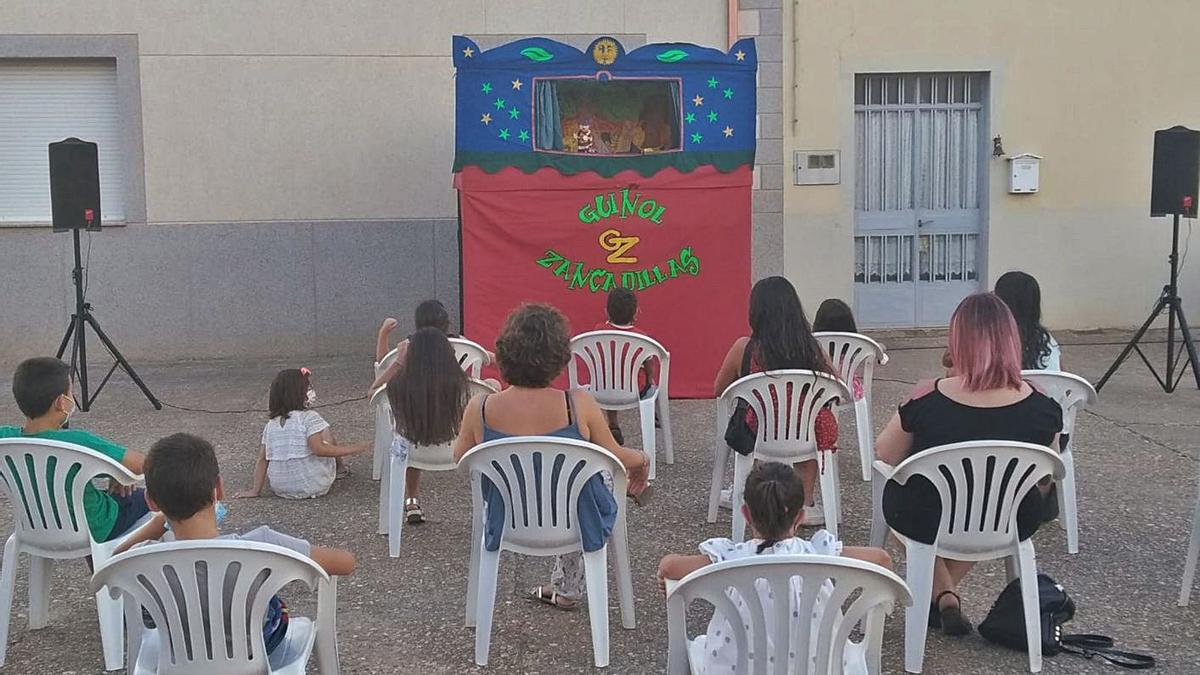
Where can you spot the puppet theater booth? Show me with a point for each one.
(580, 171)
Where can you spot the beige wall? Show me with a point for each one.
(1082, 82)
(275, 110)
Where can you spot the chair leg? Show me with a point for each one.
(879, 528)
(112, 628)
(39, 591)
(741, 468)
(489, 569)
(476, 550)
(396, 476)
(325, 647)
(385, 489)
(1066, 502)
(1189, 567)
(1011, 569)
(649, 442)
(830, 493)
(720, 457)
(862, 424)
(920, 559)
(620, 546)
(1030, 603)
(664, 416)
(595, 570)
(8, 581)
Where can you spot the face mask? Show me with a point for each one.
(71, 411)
(222, 511)
(311, 398)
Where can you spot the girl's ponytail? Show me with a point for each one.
(774, 497)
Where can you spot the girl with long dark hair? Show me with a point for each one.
(1039, 349)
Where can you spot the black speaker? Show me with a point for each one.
(1176, 176)
(74, 185)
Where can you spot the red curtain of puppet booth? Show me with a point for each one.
(681, 241)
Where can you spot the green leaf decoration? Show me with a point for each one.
(672, 56)
(536, 54)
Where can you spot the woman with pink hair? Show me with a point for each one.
(985, 399)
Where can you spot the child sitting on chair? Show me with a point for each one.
(622, 309)
(834, 316)
(774, 504)
(46, 396)
(183, 482)
(298, 453)
(429, 314)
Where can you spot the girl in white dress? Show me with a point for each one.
(774, 504)
(298, 454)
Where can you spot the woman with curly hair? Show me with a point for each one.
(532, 350)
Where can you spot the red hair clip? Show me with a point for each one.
(305, 372)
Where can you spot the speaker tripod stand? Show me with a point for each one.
(1169, 302)
(80, 320)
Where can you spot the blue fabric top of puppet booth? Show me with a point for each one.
(495, 125)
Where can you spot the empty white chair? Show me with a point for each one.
(1073, 394)
(1189, 565)
(382, 410)
(209, 598)
(786, 403)
(979, 522)
(826, 582)
(853, 355)
(471, 356)
(612, 360)
(46, 499)
(542, 520)
(423, 457)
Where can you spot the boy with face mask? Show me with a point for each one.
(45, 394)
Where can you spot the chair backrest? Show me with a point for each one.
(1072, 392)
(388, 361)
(470, 355)
(981, 484)
(441, 457)
(45, 480)
(786, 403)
(540, 478)
(208, 598)
(612, 359)
(764, 634)
(385, 426)
(853, 354)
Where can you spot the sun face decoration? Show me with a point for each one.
(604, 52)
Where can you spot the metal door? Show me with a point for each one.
(919, 154)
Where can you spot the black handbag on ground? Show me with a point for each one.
(738, 434)
(1005, 626)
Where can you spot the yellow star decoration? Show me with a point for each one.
(516, 84)
(468, 53)
(699, 100)
(486, 119)
(740, 55)
(728, 132)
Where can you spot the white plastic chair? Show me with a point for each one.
(877, 589)
(854, 354)
(49, 524)
(612, 360)
(210, 598)
(786, 433)
(1073, 394)
(423, 457)
(979, 522)
(542, 520)
(471, 355)
(382, 443)
(1189, 565)
(388, 361)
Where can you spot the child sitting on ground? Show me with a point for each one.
(183, 482)
(834, 316)
(774, 504)
(298, 452)
(427, 396)
(429, 314)
(622, 309)
(46, 396)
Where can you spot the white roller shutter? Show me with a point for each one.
(47, 100)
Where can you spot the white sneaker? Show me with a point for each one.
(814, 516)
(727, 499)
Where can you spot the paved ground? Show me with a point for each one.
(1136, 462)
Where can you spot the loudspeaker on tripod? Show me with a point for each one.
(74, 185)
(1176, 175)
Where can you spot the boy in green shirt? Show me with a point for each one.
(45, 394)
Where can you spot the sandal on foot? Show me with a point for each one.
(618, 436)
(341, 473)
(554, 599)
(413, 514)
(953, 621)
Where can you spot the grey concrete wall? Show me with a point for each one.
(763, 20)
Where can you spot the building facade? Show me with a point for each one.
(280, 179)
